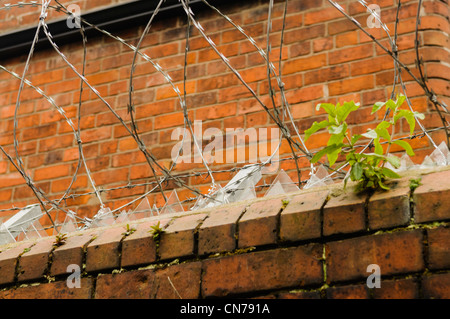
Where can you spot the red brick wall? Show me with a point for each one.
(325, 58)
(300, 245)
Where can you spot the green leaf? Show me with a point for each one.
(419, 115)
(316, 127)
(377, 106)
(345, 110)
(406, 146)
(400, 100)
(378, 148)
(389, 173)
(333, 156)
(328, 107)
(326, 150)
(355, 138)
(391, 105)
(382, 132)
(333, 129)
(383, 125)
(370, 134)
(394, 161)
(380, 183)
(409, 116)
(356, 172)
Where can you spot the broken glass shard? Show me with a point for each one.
(242, 185)
(427, 162)
(172, 205)
(406, 163)
(33, 231)
(318, 178)
(69, 224)
(154, 211)
(244, 190)
(123, 217)
(5, 235)
(216, 197)
(440, 155)
(142, 210)
(20, 222)
(282, 184)
(104, 217)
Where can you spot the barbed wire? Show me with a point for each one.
(279, 112)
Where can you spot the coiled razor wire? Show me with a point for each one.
(279, 113)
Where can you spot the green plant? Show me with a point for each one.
(60, 240)
(156, 230)
(129, 230)
(284, 202)
(368, 169)
(414, 183)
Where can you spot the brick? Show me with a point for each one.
(436, 286)
(432, 198)
(218, 231)
(34, 263)
(306, 63)
(299, 295)
(53, 290)
(391, 208)
(51, 172)
(152, 284)
(344, 214)
(395, 253)
(397, 289)
(258, 225)
(8, 260)
(70, 253)
(348, 292)
(178, 238)
(439, 248)
(103, 252)
(139, 248)
(350, 54)
(351, 85)
(301, 219)
(265, 270)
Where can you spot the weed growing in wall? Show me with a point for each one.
(367, 169)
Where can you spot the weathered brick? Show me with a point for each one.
(218, 231)
(174, 282)
(8, 260)
(258, 225)
(71, 253)
(397, 289)
(140, 248)
(256, 271)
(436, 286)
(299, 295)
(390, 208)
(439, 248)
(301, 220)
(34, 263)
(399, 252)
(432, 198)
(103, 252)
(53, 290)
(344, 214)
(178, 238)
(348, 292)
